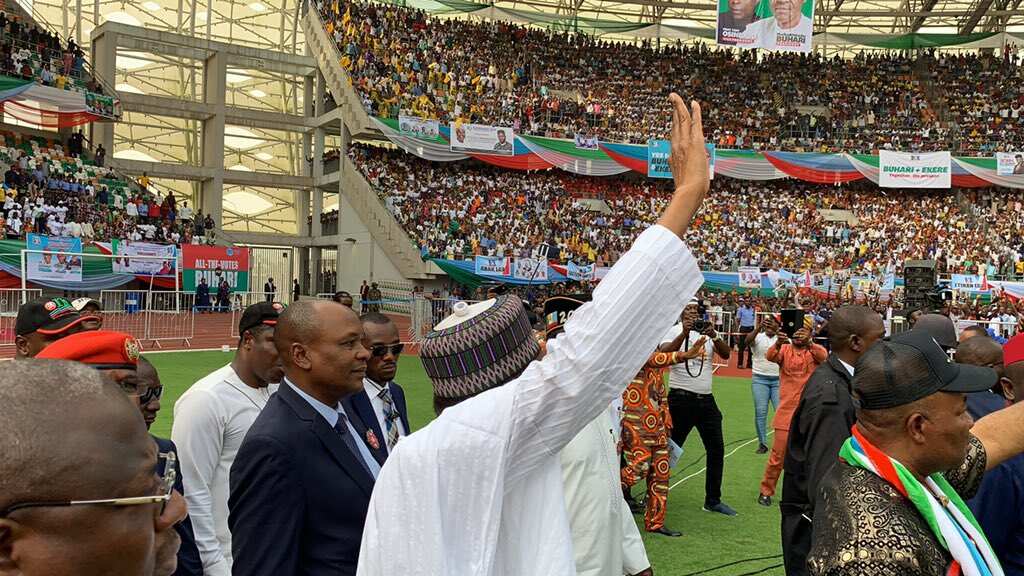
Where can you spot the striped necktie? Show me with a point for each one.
(341, 426)
(391, 417)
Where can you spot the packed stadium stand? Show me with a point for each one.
(557, 84)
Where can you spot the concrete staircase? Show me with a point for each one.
(386, 231)
(328, 59)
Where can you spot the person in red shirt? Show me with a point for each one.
(797, 360)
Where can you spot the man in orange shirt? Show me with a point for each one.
(645, 431)
(797, 360)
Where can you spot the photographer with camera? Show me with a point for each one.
(797, 360)
(691, 403)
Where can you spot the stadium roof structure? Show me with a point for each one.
(274, 24)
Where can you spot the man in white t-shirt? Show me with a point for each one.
(210, 420)
(691, 403)
(765, 380)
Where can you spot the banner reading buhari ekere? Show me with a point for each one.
(914, 169)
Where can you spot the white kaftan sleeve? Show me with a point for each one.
(604, 345)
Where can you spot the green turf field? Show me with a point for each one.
(709, 540)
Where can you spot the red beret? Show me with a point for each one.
(1013, 350)
(101, 349)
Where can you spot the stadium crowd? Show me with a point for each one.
(28, 51)
(403, 61)
(870, 432)
(460, 210)
(47, 191)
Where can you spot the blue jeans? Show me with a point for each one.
(765, 388)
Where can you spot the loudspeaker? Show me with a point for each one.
(919, 278)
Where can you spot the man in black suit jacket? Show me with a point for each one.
(302, 480)
(269, 290)
(379, 411)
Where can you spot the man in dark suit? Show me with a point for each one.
(379, 412)
(269, 290)
(302, 479)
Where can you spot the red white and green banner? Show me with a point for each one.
(49, 107)
(610, 158)
(214, 263)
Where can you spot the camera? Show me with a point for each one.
(700, 325)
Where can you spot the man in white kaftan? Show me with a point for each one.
(478, 492)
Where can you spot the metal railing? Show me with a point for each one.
(10, 300)
(150, 316)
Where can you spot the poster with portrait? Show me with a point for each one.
(58, 260)
(482, 139)
(658, 152)
(585, 142)
(1009, 163)
(530, 269)
(160, 259)
(750, 277)
(419, 128)
(785, 25)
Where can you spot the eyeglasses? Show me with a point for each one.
(169, 461)
(380, 351)
(151, 394)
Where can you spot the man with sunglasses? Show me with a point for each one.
(80, 497)
(210, 420)
(381, 417)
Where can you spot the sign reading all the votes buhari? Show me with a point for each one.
(914, 169)
(214, 263)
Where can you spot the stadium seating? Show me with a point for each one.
(49, 192)
(460, 210)
(557, 84)
(28, 51)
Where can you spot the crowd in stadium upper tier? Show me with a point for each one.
(459, 210)
(47, 191)
(27, 51)
(559, 84)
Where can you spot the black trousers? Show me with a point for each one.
(743, 348)
(691, 410)
(796, 541)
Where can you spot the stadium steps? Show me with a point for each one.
(386, 231)
(328, 59)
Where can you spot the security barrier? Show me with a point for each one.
(151, 317)
(10, 300)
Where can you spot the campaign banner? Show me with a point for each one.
(100, 105)
(914, 169)
(494, 265)
(1009, 163)
(414, 127)
(579, 273)
(530, 269)
(214, 263)
(750, 277)
(658, 152)
(584, 142)
(482, 139)
(161, 259)
(52, 264)
(784, 25)
(966, 282)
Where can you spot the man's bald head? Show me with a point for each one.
(980, 351)
(854, 328)
(70, 433)
(303, 322)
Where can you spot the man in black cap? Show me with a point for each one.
(210, 420)
(44, 321)
(820, 424)
(893, 504)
